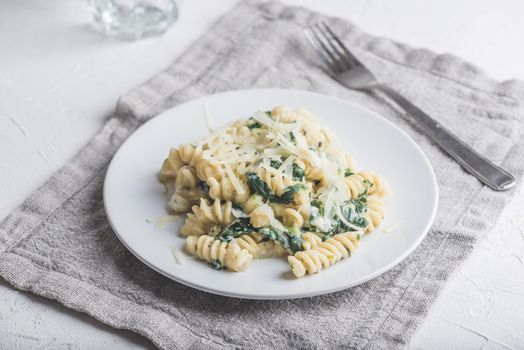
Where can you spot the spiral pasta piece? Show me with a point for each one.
(183, 199)
(216, 213)
(283, 114)
(206, 170)
(278, 208)
(219, 253)
(289, 217)
(190, 154)
(224, 190)
(186, 178)
(323, 255)
(303, 202)
(277, 183)
(271, 249)
(375, 212)
(314, 173)
(314, 135)
(266, 247)
(205, 216)
(301, 198)
(252, 203)
(195, 226)
(292, 218)
(248, 243)
(237, 259)
(310, 240)
(239, 129)
(355, 184)
(305, 114)
(262, 216)
(206, 248)
(378, 185)
(170, 167)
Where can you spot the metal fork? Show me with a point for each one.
(350, 72)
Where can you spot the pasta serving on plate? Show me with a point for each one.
(274, 185)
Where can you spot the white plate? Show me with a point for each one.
(132, 194)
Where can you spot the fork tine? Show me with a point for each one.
(336, 65)
(339, 54)
(318, 49)
(345, 51)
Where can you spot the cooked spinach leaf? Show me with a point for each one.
(292, 138)
(275, 163)
(363, 196)
(295, 244)
(235, 229)
(238, 206)
(242, 226)
(360, 204)
(348, 173)
(298, 173)
(288, 195)
(217, 265)
(258, 186)
(268, 113)
(269, 233)
(255, 125)
(319, 206)
(288, 241)
(353, 211)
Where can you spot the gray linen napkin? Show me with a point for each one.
(58, 243)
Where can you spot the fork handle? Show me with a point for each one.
(484, 170)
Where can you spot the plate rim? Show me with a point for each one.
(255, 296)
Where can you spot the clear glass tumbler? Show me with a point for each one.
(133, 19)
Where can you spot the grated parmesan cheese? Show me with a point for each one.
(272, 124)
(207, 120)
(392, 227)
(288, 162)
(234, 179)
(177, 255)
(161, 221)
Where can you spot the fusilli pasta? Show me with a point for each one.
(323, 254)
(186, 178)
(375, 213)
(219, 254)
(248, 243)
(224, 190)
(183, 199)
(205, 216)
(206, 170)
(276, 184)
(190, 154)
(170, 167)
(356, 185)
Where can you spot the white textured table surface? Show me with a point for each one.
(59, 81)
